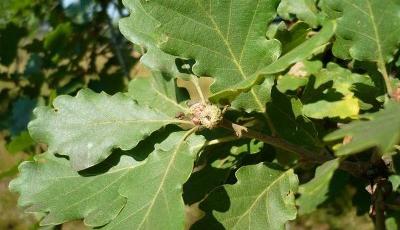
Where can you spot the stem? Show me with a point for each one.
(195, 80)
(300, 151)
(379, 207)
(383, 70)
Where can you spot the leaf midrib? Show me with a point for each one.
(227, 44)
(257, 199)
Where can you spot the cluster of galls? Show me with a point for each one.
(204, 115)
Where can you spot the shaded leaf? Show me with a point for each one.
(305, 10)
(87, 127)
(9, 39)
(293, 36)
(20, 143)
(21, 114)
(315, 192)
(380, 129)
(335, 93)
(298, 75)
(263, 198)
(286, 114)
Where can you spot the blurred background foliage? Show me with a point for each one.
(49, 48)
(54, 47)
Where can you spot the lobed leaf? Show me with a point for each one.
(87, 127)
(305, 10)
(346, 107)
(158, 92)
(225, 38)
(315, 192)
(49, 185)
(154, 189)
(380, 129)
(367, 29)
(263, 198)
(342, 93)
(140, 28)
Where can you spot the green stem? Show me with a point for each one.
(386, 78)
(195, 80)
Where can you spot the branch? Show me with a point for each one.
(378, 203)
(301, 152)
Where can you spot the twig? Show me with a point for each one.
(300, 151)
(378, 205)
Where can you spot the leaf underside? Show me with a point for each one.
(87, 127)
(263, 198)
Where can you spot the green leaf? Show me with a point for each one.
(298, 75)
(50, 185)
(263, 198)
(87, 127)
(212, 170)
(380, 129)
(20, 143)
(293, 36)
(226, 38)
(158, 92)
(218, 34)
(343, 80)
(347, 107)
(395, 180)
(315, 44)
(56, 40)
(306, 49)
(364, 28)
(247, 102)
(286, 114)
(315, 192)
(392, 221)
(305, 10)
(140, 28)
(154, 189)
(340, 89)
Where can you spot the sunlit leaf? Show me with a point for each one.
(87, 127)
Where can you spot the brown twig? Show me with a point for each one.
(305, 154)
